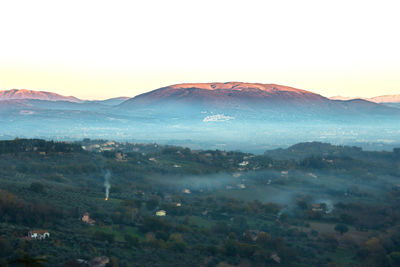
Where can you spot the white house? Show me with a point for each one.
(161, 213)
(317, 207)
(38, 234)
(243, 163)
(241, 186)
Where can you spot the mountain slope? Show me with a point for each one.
(111, 101)
(339, 97)
(245, 100)
(249, 101)
(229, 93)
(49, 105)
(375, 99)
(30, 94)
(385, 99)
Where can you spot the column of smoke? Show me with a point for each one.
(107, 183)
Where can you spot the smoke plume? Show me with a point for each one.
(107, 183)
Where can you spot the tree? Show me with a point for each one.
(346, 218)
(132, 241)
(4, 247)
(341, 228)
(104, 236)
(151, 224)
(28, 261)
(176, 243)
(330, 242)
(231, 248)
(264, 240)
(302, 204)
(37, 187)
(394, 258)
(152, 204)
(113, 262)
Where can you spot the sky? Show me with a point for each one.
(102, 49)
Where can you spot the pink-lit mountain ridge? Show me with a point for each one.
(30, 99)
(226, 94)
(250, 100)
(39, 95)
(375, 99)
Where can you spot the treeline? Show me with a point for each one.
(16, 211)
(36, 145)
(318, 149)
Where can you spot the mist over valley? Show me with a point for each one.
(245, 116)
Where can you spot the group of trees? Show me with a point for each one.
(36, 145)
(17, 211)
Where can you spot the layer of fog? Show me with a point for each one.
(285, 188)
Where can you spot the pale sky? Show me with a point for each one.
(101, 49)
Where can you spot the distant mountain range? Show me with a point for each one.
(23, 94)
(202, 113)
(210, 92)
(30, 94)
(376, 99)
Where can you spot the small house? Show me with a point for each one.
(161, 213)
(274, 256)
(38, 234)
(120, 156)
(251, 235)
(317, 207)
(86, 219)
(241, 186)
(312, 175)
(243, 163)
(101, 261)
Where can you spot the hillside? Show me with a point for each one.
(336, 204)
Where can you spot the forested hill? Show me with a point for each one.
(332, 206)
(307, 149)
(37, 145)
